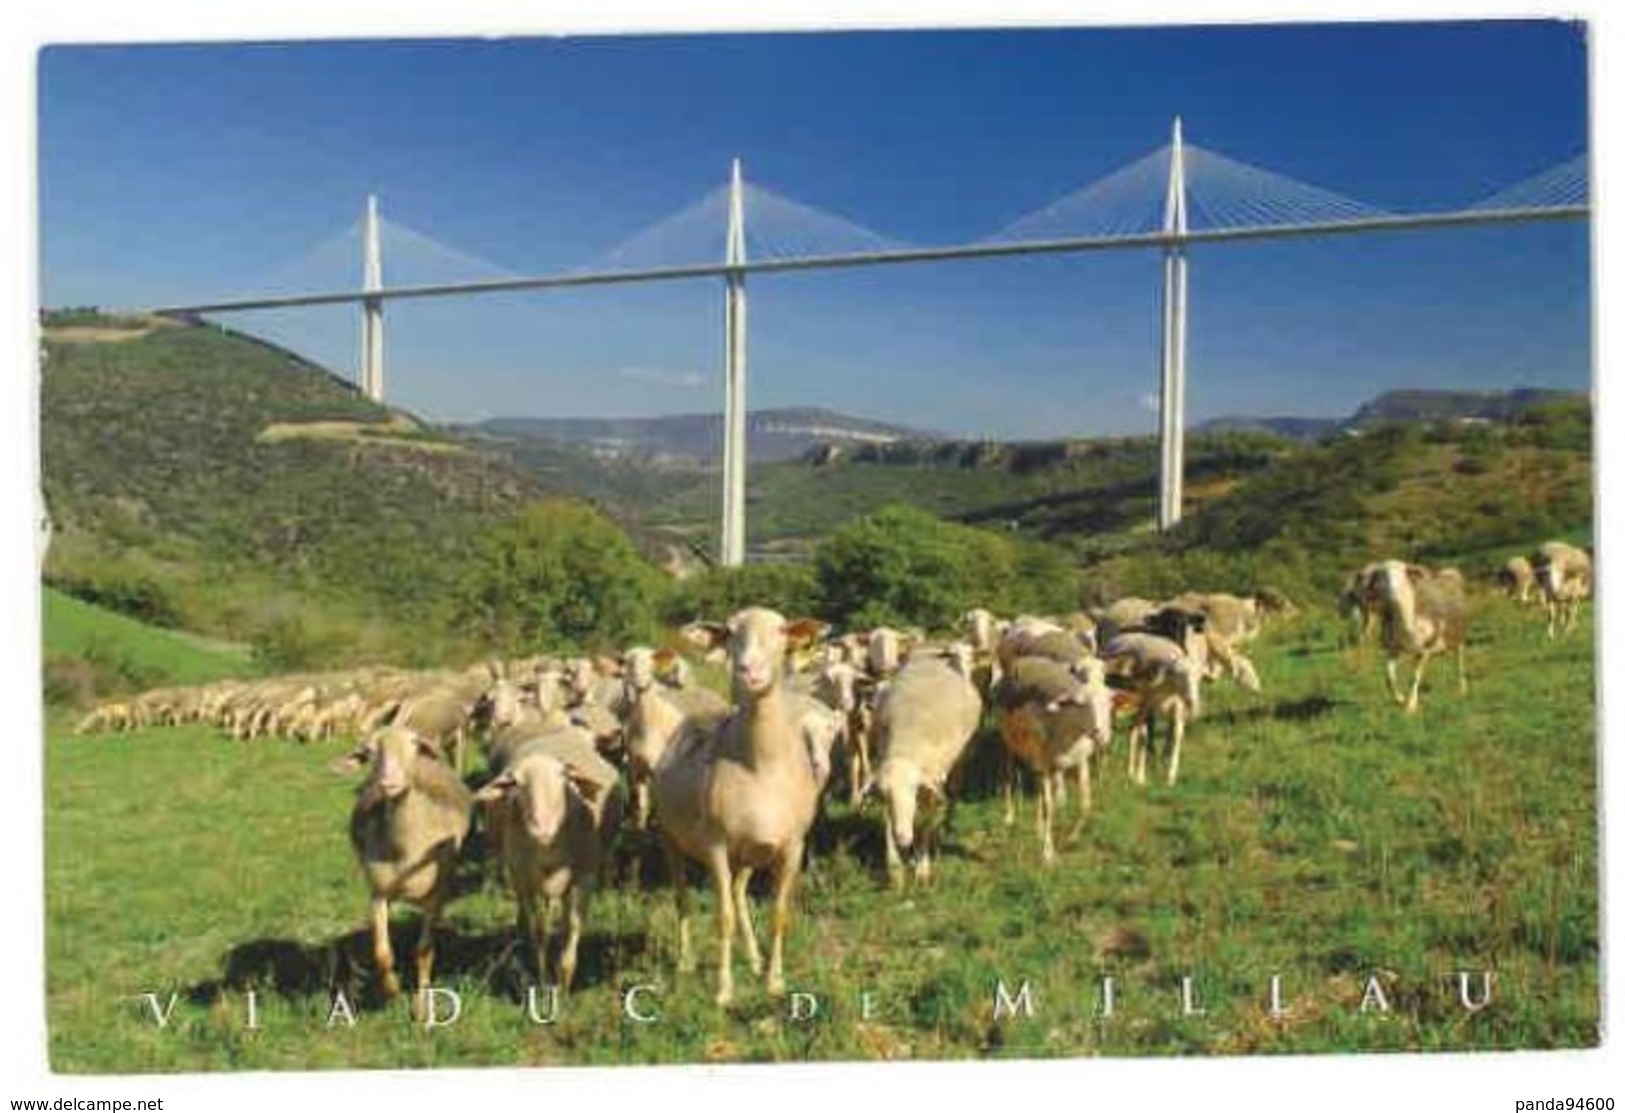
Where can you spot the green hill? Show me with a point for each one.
(92, 652)
(197, 477)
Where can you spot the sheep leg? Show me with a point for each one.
(894, 857)
(576, 914)
(1060, 792)
(857, 771)
(789, 867)
(545, 927)
(424, 955)
(1391, 675)
(679, 881)
(747, 930)
(1046, 815)
(1414, 700)
(1139, 746)
(722, 875)
(1086, 799)
(1008, 769)
(922, 855)
(1461, 668)
(640, 803)
(382, 955)
(1176, 729)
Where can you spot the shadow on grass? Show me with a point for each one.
(496, 960)
(1313, 706)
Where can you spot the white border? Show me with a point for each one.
(1478, 1081)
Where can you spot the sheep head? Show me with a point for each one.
(390, 755)
(639, 665)
(537, 791)
(758, 640)
(905, 791)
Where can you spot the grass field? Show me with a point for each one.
(80, 629)
(1317, 833)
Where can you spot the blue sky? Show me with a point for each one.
(188, 172)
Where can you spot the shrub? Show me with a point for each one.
(289, 642)
(126, 591)
(71, 681)
(790, 589)
(557, 575)
(903, 566)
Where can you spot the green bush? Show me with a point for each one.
(790, 589)
(71, 681)
(290, 642)
(123, 590)
(903, 566)
(558, 575)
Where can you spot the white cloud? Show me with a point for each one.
(662, 376)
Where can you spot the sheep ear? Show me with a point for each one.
(804, 631)
(497, 789)
(609, 666)
(357, 759)
(1416, 572)
(706, 635)
(428, 747)
(665, 657)
(584, 785)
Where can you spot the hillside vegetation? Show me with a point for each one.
(201, 478)
(91, 652)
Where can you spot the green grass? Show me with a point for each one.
(81, 629)
(1316, 833)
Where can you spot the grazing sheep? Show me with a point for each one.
(739, 796)
(1517, 578)
(1054, 718)
(441, 713)
(1233, 618)
(1357, 602)
(848, 694)
(1162, 681)
(1564, 575)
(552, 812)
(1422, 612)
(656, 713)
(410, 817)
(116, 715)
(1037, 637)
(511, 721)
(1189, 621)
(923, 724)
(1126, 613)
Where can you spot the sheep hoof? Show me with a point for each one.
(725, 996)
(775, 985)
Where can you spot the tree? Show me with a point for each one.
(558, 575)
(903, 566)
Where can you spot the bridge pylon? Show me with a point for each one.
(734, 450)
(372, 309)
(1175, 287)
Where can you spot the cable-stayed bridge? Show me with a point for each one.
(1173, 198)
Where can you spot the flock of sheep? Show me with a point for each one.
(576, 749)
